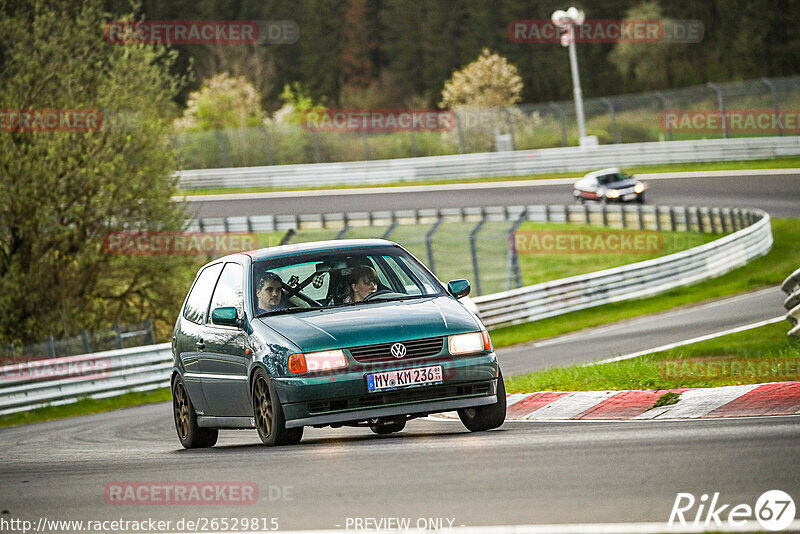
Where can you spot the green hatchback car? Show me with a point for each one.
(332, 333)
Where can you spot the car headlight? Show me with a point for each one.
(638, 188)
(317, 361)
(469, 343)
(613, 193)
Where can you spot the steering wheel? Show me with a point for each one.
(376, 294)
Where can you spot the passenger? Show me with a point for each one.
(270, 294)
(363, 281)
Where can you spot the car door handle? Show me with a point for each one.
(200, 345)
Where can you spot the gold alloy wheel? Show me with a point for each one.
(262, 403)
(180, 403)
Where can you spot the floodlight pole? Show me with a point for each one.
(567, 20)
(576, 82)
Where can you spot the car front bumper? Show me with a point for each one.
(468, 381)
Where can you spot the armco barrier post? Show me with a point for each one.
(462, 145)
(663, 102)
(775, 106)
(365, 142)
(118, 332)
(268, 145)
(222, 143)
(473, 235)
(429, 241)
(87, 347)
(721, 103)
(613, 115)
(562, 122)
(287, 236)
(414, 150)
(345, 229)
(513, 256)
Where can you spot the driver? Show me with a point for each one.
(270, 294)
(363, 281)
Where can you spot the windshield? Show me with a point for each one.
(612, 178)
(344, 278)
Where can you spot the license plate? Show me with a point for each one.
(405, 377)
(629, 196)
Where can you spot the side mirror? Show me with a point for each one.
(226, 316)
(458, 288)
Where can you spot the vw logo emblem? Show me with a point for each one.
(398, 350)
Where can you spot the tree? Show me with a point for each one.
(480, 95)
(647, 65)
(358, 51)
(64, 191)
(222, 102)
(489, 81)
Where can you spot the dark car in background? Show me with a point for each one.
(609, 185)
(409, 349)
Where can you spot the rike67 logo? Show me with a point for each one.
(774, 510)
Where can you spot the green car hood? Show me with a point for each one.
(373, 323)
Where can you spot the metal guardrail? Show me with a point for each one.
(28, 385)
(118, 337)
(636, 280)
(147, 367)
(792, 303)
(513, 163)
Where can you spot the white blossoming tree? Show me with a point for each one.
(483, 95)
(224, 101)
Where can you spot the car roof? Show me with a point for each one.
(602, 172)
(316, 246)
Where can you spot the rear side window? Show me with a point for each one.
(197, 303)
(229, 291)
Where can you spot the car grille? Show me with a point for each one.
(417, 348)
(406, 395)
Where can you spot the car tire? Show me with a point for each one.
(640, 199)
(190, 435)
(387, 427)
(483, 418)
(268, 414)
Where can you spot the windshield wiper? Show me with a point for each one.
(381, 298)
(285, 311)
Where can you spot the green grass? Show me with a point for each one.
(86, 406)
(768, 270)
(772, 163)
(673, 368)
(537, 267)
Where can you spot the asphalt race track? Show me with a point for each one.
(524, 473)
(644, 333)
(778, 195)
